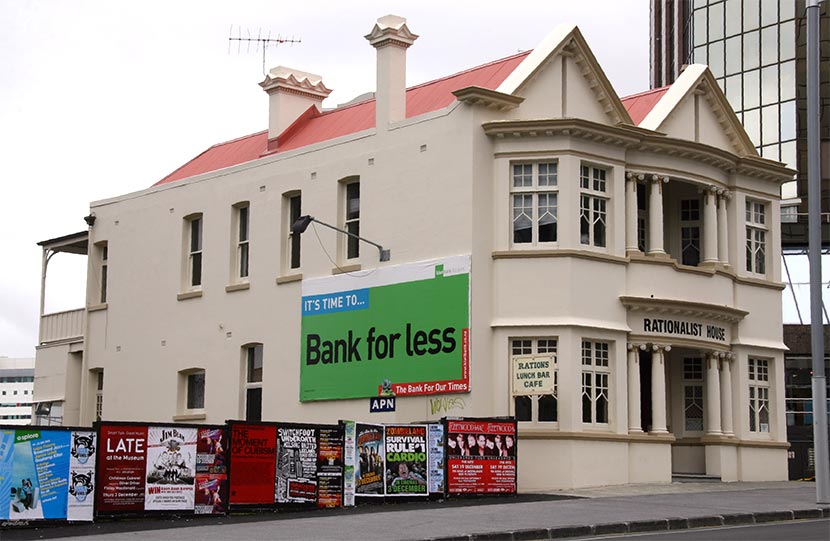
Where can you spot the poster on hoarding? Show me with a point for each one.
(121, 468)
(81, 475)
(400, 330)
(296, 472)
(34, 467)
(349, 462)
(406, 460)
(254, 463)
(211, 472)
(170, 469)
(370, 467)
(330, 467)
(435, 433)
(481, 456)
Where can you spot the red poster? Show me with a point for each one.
(481, 457)
(121, 468)
(253, 464)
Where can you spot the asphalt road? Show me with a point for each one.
(806, 530)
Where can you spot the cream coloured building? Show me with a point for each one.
(633, 243)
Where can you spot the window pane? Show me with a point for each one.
(547, 408)
(522, 405)
(295, 204)
(243, 223)
(253, 404)
(734, 92)
(195, 234)
(353, 243)
(196, 269)
(733, 55)
(769, 125)
(787, 40)
(716, 22)
(752, 96)
(769, 11)
(788, 152)
(700, 26)
(751, 51)
(522, 218)
(716, 58)
(787, 81)
(751, 15)
(769, 45)
(752, 125)
(522, 175)
(196, 391)
(733, 17)
(769, 85)
(547, 174)
(585, 220)
(700, 55)
(547, 217)
(243, 260)
(254, 354)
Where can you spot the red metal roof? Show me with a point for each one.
(310, 129)
(640, 105)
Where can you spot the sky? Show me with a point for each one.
(101, 98)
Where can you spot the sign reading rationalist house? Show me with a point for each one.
(402, 330)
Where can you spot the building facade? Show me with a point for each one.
(633, 244)
(17, 377)
(756, 50)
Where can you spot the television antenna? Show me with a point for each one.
(257, 42)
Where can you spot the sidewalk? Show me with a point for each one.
(593, 511)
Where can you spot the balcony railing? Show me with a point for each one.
(61, 326)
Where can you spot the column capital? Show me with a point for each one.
(632, 175)
(659, 179)
(663, 348)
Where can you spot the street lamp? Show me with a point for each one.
(303, 222)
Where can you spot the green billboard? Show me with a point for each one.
(401, 330)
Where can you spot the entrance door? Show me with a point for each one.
(645, 390)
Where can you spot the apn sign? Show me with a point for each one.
(379, 404)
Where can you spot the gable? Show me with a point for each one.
(694, 108)
(562, 79)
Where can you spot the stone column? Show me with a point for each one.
(655, 215)
(658, 390)
(634, 388)
(726, 394)
(713, 413)
(710, 226)
(631, 244)
(723, 228)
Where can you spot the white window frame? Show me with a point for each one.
(241, 241)
(756, 237)
(688, 221)
(186, 380)
(542, 345)
(292, 241)
(536, 184)
(99, 395)
(351, 220)
(594, 204)
(249, 358)
(193, 251)
(759, 401)
(103, 251)
(596, 380)
(693, 392)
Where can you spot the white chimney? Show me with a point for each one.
(290, 93)
(391, 37)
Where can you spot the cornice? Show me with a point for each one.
(492, 99)
(684, 308)
(641, 140)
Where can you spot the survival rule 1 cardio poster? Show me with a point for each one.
(46, 474)
(406, 460)
(481, 456)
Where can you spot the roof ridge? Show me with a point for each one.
(234, 140)
(644, 92)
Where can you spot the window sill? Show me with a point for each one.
(537, 253)
(195, 415)
(242, 286)
(288, 278)
(96, 307)
(344, 269)
(189, 295)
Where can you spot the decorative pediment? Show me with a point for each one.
(567, 41)
(696, 89)
(476, 95)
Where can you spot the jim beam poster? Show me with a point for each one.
(171, 468)
(370, 467)
(406, 460)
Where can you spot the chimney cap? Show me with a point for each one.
(285, 78)
(391, 30)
